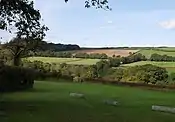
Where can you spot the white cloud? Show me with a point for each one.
(108, 27)
(109, 22)
(170, 24)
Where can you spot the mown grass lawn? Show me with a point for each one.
(50, 102)
(78, 61)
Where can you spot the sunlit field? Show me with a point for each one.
(77, 61)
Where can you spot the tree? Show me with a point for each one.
(172, 76)
(101, 67)
(20, 15)
(97, 4)
(19, 47)
(114, 62)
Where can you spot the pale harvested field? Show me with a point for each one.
(109, 52)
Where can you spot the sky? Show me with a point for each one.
(130, 23)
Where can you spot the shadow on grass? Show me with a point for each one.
(54, 111)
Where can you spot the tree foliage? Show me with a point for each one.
(91, 56)
(24, 78)
(96, 3)
(21, 16)
(148, 74)
(117, 61)
(157, 57)
(20, 47)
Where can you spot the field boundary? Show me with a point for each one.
(118, 83)
(131, 84)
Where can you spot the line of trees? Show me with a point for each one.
(148, 74)
(57, 47)
(157, 57)
(91, 56)
(117, 61)
(51, 54)
(68, 54)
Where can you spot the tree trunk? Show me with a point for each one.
(16, 60)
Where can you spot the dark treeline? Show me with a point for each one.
(68, 54)
(61, 54)
(57, 47)
(91, 56)
(117, 61)
(157, 57)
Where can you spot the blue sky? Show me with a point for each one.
(130, 23)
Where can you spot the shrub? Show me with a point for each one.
(172, 76)
(157, 57)
(115, 74)
(161, 83)
(101, 67)
(114, 62)
(78, 79)
(144, 74)
(15, 78)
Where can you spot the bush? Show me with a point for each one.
(15, 78)
(172, 76)
(146, 73)
(114, 74)
(161, 83)
(115, 61)
(157, 57)
(78, 79)
(101, 67)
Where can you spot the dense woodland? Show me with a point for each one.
(57, 47)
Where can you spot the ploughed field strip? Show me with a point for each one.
(109, 52)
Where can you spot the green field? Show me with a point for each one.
(148, 53)
(170, 66)
(50, 102)
(64, 60)
(160, 64)
(168, 49)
